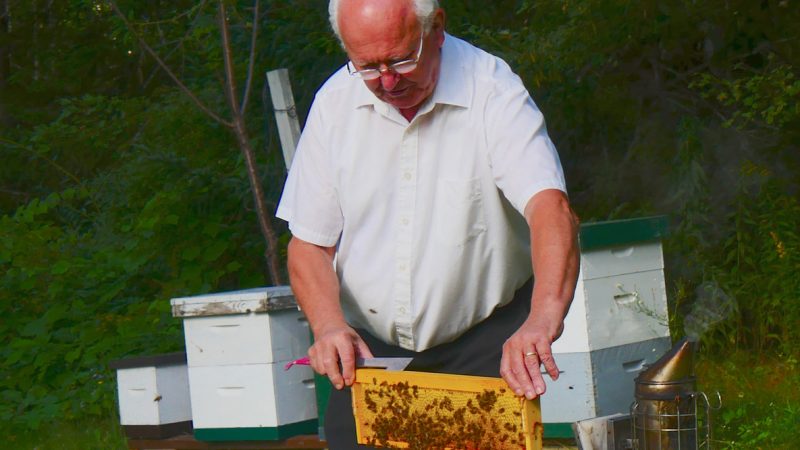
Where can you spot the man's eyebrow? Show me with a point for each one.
(410, 55)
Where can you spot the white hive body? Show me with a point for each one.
(153, 395)
(237, 344)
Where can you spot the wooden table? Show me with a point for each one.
(188, 442)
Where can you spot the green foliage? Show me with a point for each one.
(88, 271)
(768, 96)
(760, 260)
(759, 405)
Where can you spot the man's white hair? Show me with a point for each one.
(424, 9)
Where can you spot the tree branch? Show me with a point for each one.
(230, 79)
(179, 43)
(248, 83)
(58, 167)
(169, 72)
(26, 195)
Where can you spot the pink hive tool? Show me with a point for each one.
(304, 361)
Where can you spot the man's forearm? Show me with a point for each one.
(315, 284)
(554, 253)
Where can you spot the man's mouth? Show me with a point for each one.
(397, 92)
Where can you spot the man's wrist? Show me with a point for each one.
(329, 326)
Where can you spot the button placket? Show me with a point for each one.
(404, 239)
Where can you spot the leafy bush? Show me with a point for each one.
(87, 272)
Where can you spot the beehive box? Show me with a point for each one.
(419, 410)
(617, 324)
(237, 344)
(153, 395)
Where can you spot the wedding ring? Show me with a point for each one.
(531, 354)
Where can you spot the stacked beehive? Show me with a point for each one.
(237, 344)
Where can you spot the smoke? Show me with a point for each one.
(711, 306)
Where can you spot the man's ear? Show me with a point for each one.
(439, 21)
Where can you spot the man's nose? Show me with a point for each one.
(389, 79)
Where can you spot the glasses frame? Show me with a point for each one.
(399, 67)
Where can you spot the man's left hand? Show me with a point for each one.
(526, 351)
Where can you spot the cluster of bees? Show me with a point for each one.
(403, 415)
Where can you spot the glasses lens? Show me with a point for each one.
(404, 66)
(369, 74)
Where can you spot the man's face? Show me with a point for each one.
(376, 36)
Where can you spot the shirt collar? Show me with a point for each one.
(451, 88)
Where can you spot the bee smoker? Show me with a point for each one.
(665, 412)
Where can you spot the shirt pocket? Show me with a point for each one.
(458, 211)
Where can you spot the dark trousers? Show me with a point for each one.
(476, 352)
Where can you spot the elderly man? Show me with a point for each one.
(424, 191)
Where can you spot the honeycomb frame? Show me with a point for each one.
(433, 411)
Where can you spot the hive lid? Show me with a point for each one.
(622, 232)
(166, 359)
(256, 300)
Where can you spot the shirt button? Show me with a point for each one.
(407, 175)
(402, 310)
(404, 221)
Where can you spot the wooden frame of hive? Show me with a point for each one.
(422, 411)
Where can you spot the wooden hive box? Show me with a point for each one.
(237, 344)
(419, 410)
(153, 395)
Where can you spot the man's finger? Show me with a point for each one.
(330, 362)
(519, 366)
(532, 365)
(347, 355)
(549, 363)
(316, 361)
(508, 374)
(363, 350)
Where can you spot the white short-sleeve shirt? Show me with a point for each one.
(426, 216)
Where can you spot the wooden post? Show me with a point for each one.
(285, 112)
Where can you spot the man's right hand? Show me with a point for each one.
(334, 354)
(316, 288)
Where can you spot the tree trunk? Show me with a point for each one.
(243, 140)
(237, 126)
(270, 253)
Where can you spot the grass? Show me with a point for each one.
(760, 400)
(99, 434)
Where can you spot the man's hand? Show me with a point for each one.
(526, 350)
(334, 354)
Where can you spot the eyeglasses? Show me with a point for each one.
(400, 67)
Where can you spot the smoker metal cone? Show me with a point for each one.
(671, 376)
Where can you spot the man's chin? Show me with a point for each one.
(401, 102)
